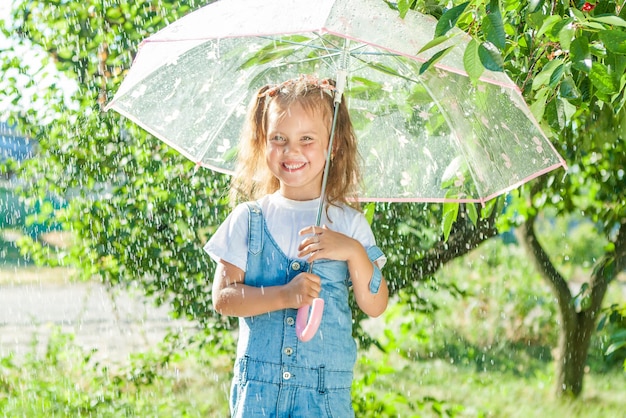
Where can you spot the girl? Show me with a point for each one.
(264, 248)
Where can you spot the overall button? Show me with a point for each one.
(295, 266)
(290, 320)
(286, 375)
(288, 351)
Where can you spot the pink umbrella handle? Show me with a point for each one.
(306, 331)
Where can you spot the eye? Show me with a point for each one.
(277, 139)
(306, 139)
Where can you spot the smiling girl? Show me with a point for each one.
(264, 249)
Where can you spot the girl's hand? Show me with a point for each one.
(302, 290)
(331, 245)
(324, 243)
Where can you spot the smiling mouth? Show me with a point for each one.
(293, 166)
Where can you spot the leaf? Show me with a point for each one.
(494, 30)
(403, 7)
(565, 111)
(545, 74)
(449, 18)
(534, 5)
(614, 41)
(568, 89)
(275, 50)
(471, 61)
(566, 34)
(490, 57)
(450, 213)
(433, 43)
(558, 27)
(602, 79)
(547, 25)
(580, 55)
(580, 16)
(538, 107)
(384, 68)
(614, 347)
(369, 209)
(434, 59)
(472, 213)
(488, 208)
(592, 25)
(610, 20)
(556, 75)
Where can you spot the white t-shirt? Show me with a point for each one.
(284, 219)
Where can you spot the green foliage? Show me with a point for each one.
(502, 316)
(65, 380)
(138, 209)
(369, 401)
(449, 19)
(612, 326)
(490, 341)
(141, 215)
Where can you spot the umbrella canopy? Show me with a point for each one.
(430, 136)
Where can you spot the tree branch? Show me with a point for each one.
(463, 238)
(607, 270)
(543, 263)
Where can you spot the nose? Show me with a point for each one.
(290, 148)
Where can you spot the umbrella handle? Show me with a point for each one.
(306, 331)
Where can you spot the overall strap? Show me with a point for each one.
(255, 228)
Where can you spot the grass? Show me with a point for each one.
(12, 275)
(16, 269)
(486, 355)
(468, 392)
(65, 382)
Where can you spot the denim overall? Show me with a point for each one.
(276, 374)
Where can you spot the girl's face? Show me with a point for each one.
(297, 142)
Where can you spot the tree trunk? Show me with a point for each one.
(577, 320)
(574, 340)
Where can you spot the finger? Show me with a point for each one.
(309, 252)
(307, 230)
(305, 248)
(313, 278)
(314, 255)
(313, 239)
(313, 230)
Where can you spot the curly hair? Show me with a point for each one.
(253, 179)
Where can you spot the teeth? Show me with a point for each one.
(294, 166)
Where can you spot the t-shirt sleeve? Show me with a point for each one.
(230, 241)
(362, 232)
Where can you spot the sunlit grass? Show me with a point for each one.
(487, 355)
(12, 275)
(473, 393)
(65, 382)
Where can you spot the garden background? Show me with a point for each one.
(512, 309)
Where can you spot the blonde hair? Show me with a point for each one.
(253, 179)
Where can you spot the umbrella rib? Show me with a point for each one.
(455, 135)
(335, 51)
(444, 113)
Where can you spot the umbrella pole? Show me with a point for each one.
(320, 208)
(340, 86)
(306, 326)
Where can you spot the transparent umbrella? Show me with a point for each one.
(431, 137)
(425, 135)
